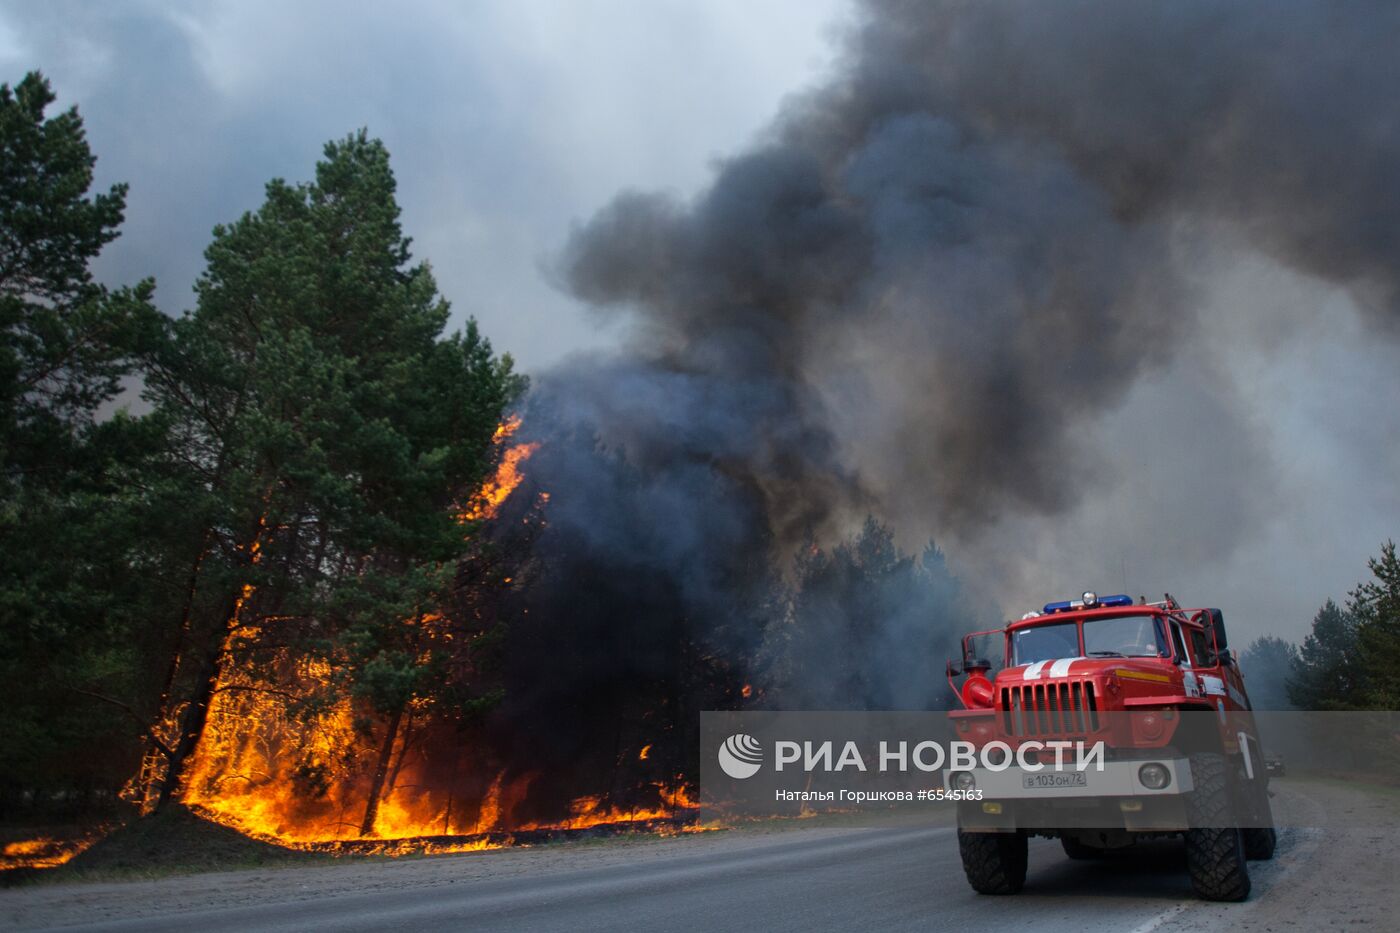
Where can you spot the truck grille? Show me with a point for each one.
(1049, 709)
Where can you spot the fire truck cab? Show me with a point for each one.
(1106, 722)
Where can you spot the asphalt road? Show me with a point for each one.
(894, 879)
(889, 878)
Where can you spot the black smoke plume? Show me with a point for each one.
(931, 271)
(914, 296)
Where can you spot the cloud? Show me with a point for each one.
(507, 121)
(983, 282)
(1090, 291)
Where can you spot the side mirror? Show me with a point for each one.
(1215, 630)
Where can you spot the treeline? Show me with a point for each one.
(278, 472)
(864, 626)
(1349, 661)
(259, 513)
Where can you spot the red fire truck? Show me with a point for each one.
(1154, 688)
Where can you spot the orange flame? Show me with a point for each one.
(42, 852)
(244, 778)
(297, 776)
(487, 501)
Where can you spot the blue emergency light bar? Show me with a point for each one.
(1090, 601)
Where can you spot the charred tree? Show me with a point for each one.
(381, 772)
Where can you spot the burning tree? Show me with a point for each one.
(320, 431)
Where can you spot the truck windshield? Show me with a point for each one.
(1045, 643)
(1136, 636)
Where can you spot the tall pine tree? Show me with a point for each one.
(1327, 673)
(321, 428)
(69, 638)
(1375, 605)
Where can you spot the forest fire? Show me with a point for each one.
(244, 779)
(42, 852)
(486, 503)
(281, 762)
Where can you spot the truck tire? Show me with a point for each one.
(1215, 855)
(995, 863)
(1259, 843)
(1260, 839)
(1079, 851)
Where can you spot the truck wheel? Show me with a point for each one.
(1259, 843)
(1260, 839)
(1080, 851)
(995, 863)
(1215, 854)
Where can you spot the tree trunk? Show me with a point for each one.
(150, 761)
(210, 672)
(393, 779)
(381, 771)
(197, 713)
(154, 757)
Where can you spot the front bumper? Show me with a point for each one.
(1113, 798)
(1116, 779)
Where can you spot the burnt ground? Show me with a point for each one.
(174, 840)
(181, 841)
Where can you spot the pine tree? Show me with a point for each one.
(866, 626)
(320, 430)
(65, 341)
(70, 635)
(1375, 605)
(1326, 674)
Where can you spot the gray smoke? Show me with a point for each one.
(927, 282)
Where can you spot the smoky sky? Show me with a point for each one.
(939, 283)
(1096, 295)
(505, 121)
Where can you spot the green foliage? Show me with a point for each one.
(1375, 605)
(64, 342)
(290, 493)
(67, 587)
(1326, 675)
(321, 430)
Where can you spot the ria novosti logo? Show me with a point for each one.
(740, 756)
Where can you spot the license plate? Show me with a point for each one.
(1053, 780)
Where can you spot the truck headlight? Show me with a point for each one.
(1154, 776)
(964, 780)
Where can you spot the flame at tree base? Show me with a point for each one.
(282, 767)
(674, 825)
(426, 826)
(589, 817)
(43, 851)
(298, 780)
